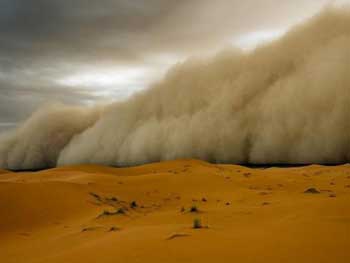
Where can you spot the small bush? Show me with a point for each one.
(133, 204)
(311, 190)
(194, 209)
(120, 211)
(113, 229)
(107, 213)
(197, 223)
(96, 196)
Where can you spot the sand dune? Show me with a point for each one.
(4, 171)
(87, 214)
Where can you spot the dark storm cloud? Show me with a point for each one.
(44, 40)
(18, 101)
(81, 28)
(128, 30)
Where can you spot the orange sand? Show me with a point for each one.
(3, 171)
(249, 215)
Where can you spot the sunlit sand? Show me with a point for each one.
(147, 214)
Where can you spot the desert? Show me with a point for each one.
(146, 213)
(162, 131)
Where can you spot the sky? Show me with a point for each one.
(93, 51)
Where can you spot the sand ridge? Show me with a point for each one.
(92, 213)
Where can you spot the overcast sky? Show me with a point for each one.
(84, 51)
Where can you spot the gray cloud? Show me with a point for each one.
(18, 102)
(42, 41)
(129, 30)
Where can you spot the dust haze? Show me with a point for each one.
(285, 102)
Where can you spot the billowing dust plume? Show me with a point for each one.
(285, 102)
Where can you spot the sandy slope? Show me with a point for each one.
(3, 171)
(253, 215)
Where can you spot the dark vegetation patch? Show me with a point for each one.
(197, 224)
(119, 211)
(133, 205)
(113, 229)
(312, 190)
(194, 209)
